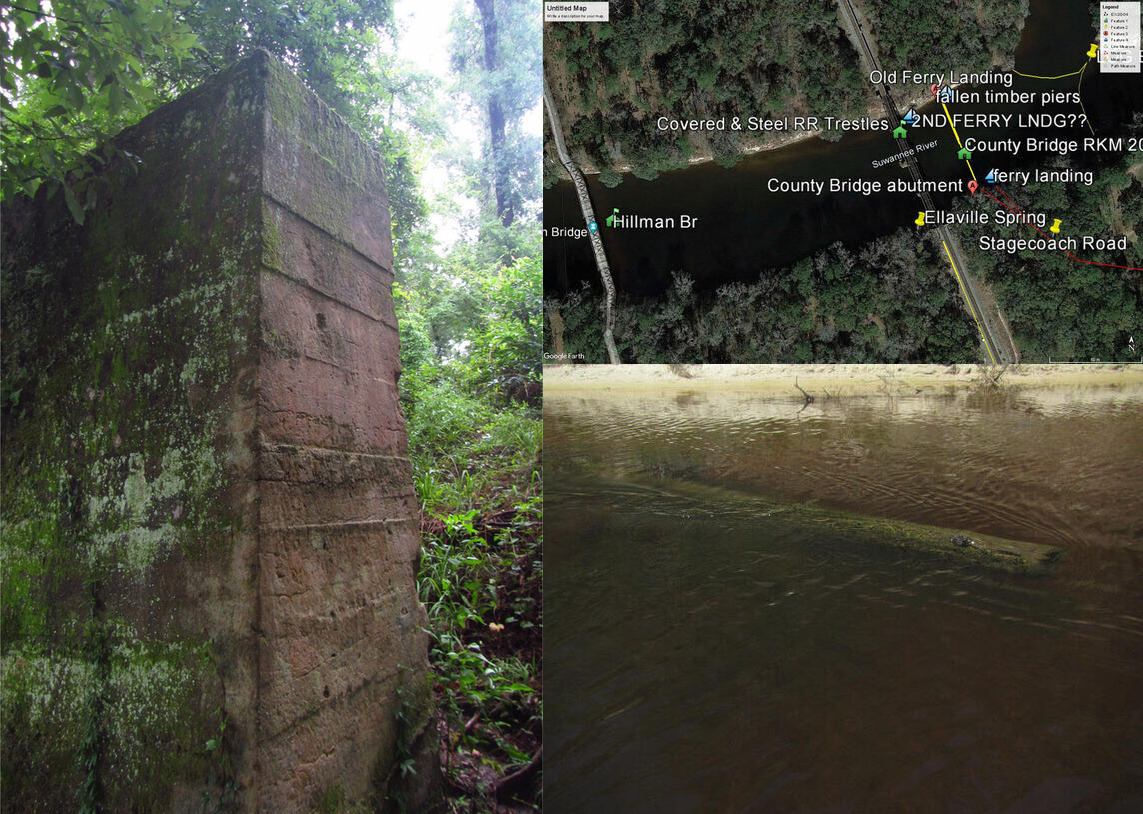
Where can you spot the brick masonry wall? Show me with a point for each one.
(209, 531)
(339, 533)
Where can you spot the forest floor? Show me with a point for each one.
(481, 581)
(481, 750)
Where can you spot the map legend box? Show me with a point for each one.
(1119, 45)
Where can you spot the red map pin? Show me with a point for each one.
(972, 185)
(933, 88)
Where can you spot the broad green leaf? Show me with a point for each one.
(73, 205)
(114, 98)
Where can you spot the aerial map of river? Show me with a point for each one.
(976, 199)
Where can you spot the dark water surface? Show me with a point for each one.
(744, 229)
(702, 655)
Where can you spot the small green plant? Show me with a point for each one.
(469, 393)
(478, 480)
(89, 791)
(224, 787)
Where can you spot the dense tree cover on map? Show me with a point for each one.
(888, 301)
(967, 36)
(703, 59)
(695, 59)
(1058, 308)
(894, 301)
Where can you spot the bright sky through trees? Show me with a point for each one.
(424, 43)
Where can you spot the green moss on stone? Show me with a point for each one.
(127, 335)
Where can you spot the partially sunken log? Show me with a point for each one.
(1013, 556)
(961, 545)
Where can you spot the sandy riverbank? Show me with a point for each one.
(837, 380)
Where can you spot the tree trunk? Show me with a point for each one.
(500, 183)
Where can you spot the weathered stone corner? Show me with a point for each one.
(209, 532)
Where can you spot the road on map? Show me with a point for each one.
(998, 348)
(589, 220)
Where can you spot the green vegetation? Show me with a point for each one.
(1058, 308)
(891, 300)
(481, 581)
(695, 59)
(719, 59)
(470, 319)
(471, 323)
(471, 393)
(496, 59)
(969, 37)
(75, 72)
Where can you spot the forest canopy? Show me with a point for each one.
(75, 72)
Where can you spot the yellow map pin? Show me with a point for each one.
(1094, 50)
(920, 221)
(1055, 227)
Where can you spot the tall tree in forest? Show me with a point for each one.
(496, 55)
(504, 208)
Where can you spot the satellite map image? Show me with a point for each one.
(843, 181)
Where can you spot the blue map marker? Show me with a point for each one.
(991, 177)
(593, 227)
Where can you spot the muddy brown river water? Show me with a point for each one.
(704, 655)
